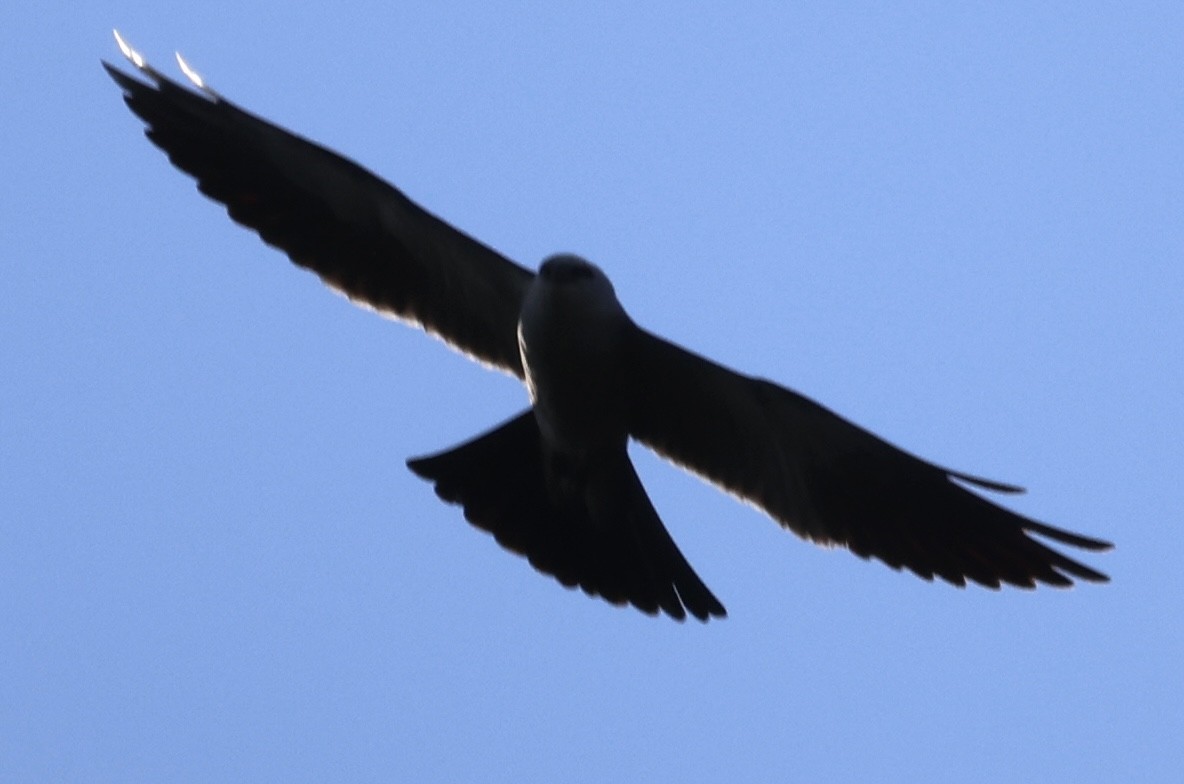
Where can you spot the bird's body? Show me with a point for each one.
(555, 483)
(571, 334)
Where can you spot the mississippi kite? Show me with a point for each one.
(555, 483)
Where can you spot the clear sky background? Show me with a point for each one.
(960, 227)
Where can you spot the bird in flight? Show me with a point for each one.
(555, 483)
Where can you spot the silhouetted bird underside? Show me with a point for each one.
(555, 483)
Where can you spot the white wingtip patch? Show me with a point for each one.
(191, 74)
(131, 54)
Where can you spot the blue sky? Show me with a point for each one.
(959, 227)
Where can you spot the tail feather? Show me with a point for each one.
(607, 540)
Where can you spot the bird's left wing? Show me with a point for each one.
(832, 482)
(361, 235)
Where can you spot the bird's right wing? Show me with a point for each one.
(831, 481)
(362, 236)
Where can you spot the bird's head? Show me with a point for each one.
(569, 294)
(567, 268)
(577, 283)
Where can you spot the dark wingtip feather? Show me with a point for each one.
(1068, 537)
(986, 484)
(126, 82)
